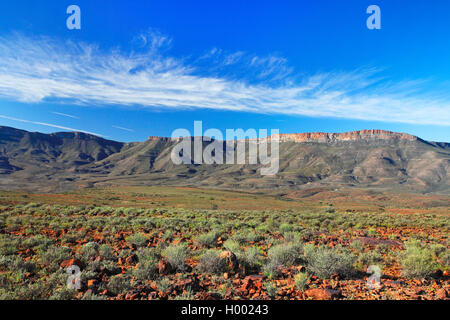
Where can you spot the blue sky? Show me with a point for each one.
(145, 68)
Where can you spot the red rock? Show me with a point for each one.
(208, 296)
(131, 296)
(442, 294)
(162, 295)
(131, 259)
(71, 262)
(181, 285)
(230, 259)
(164, 267)
(322, 294)
(91, 283)
(154, 286)
(346, 136)
(246, 284)
(256, 277)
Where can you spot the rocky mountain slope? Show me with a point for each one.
(372, 159)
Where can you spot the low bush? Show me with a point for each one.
(417, 260)
(301, 280)
(138, 239)
(176, 256)
(324, 262)
(211, 262)
(285, 254)
(119, 284)
(208, 240)
(366, 259)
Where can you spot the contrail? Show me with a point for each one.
(122, 128)
(65, 115)
(51, 125)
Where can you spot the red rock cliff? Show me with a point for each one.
(346, 136)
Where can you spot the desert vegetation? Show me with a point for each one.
(178, 253)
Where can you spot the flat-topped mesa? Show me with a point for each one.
(154, 138)
(346, 136)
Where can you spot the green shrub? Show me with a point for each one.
(356, 245)
(281, 256)
(301, 280)
(244, 236)
(369, 258)
(324, 262)
(251, 259)
(146, 271)
(15, 264)
(272, 290)
(176, 256)
(89, 295)
(89, 250)
(292, 236)
(164, 285)
(106, 252)
(208, 239)
(119, 284)
(445, 259)
(285, 255)
(271, 269)
(8, 244)
(438, 250)
(286, 227)
(417, 260)
(63, 294)
(232, 245)
(53, 257)
(38, 242)
(138, 239)
(211, 262)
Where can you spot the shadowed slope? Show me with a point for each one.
(362, 159)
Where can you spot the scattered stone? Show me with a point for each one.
(92, 283)
(323, 294)
(209, 296)
(231, 260)
(442, 294)
(71, 262)
(164, 267)
(131, 259)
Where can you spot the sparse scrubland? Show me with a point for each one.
(166, 252)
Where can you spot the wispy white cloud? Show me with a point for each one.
(65, 115)
(123, 128)
(41, 69)
(49, 125)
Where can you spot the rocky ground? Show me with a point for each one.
(176, 253)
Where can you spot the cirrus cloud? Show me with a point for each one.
(35, 70)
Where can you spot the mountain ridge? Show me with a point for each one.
(359, 159)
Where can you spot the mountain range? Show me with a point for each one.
(369, 159)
